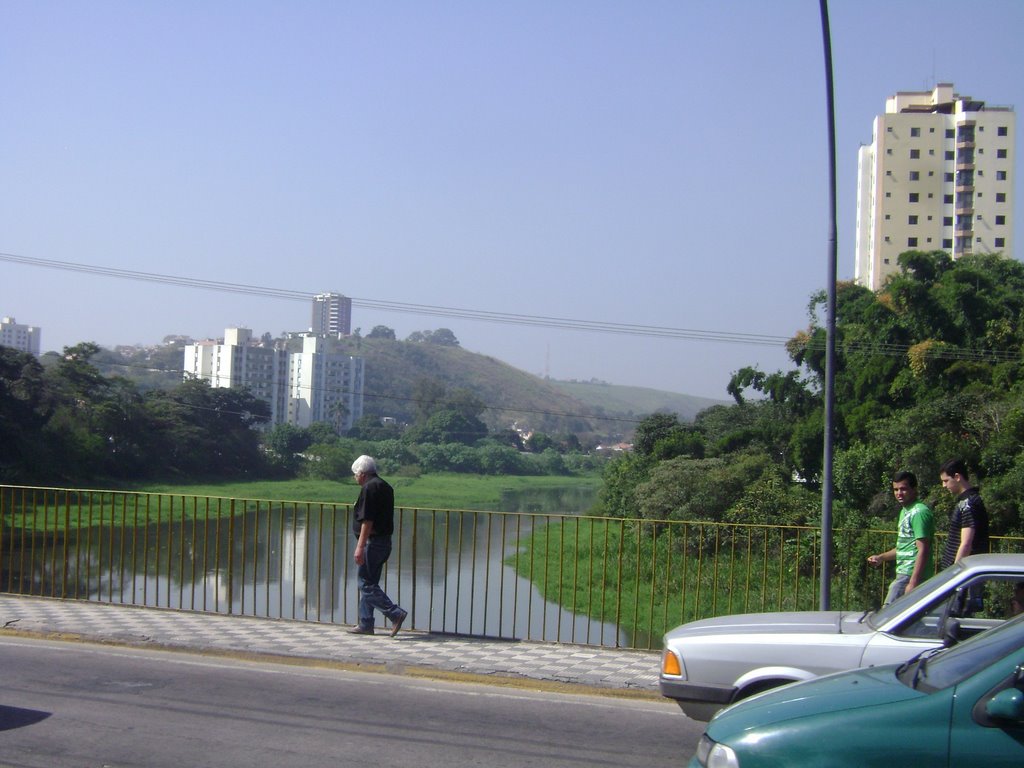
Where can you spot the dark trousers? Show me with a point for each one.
(371, 596)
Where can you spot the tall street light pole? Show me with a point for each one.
(830, 324)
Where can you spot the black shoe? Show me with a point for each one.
(397, 623)
(358, 630)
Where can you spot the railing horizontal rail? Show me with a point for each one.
(560, 577)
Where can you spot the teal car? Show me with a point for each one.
(962, 706)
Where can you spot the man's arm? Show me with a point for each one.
(884, 557)
(966, 543)
(924, 550)
(365, 530)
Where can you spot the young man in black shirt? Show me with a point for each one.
(968, 522)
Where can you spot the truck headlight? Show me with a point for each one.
(711, 754)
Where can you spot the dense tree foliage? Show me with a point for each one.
(63, 421)
(67, 422)
(927, 368)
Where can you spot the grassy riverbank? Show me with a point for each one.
(446, 490)
(53, 510)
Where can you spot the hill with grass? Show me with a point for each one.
(399, 373)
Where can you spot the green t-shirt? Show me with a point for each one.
(916, 522)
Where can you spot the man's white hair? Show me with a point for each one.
(364, 465)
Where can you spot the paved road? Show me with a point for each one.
(82, 705)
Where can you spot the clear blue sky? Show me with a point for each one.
(648, 163)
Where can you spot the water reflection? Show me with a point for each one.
(294, 561)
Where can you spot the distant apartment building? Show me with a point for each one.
(25, 338)
(937, 175)
(301, 387)
(332, 315)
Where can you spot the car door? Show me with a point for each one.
(974, 606)
(977, 738)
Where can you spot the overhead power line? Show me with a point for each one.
(508, 318)
(941, 351)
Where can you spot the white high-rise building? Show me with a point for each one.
(332, 314)
(25, 338)
(937, 176)
(324, 386)
(301, 387)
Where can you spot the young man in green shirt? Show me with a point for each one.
(914, 534)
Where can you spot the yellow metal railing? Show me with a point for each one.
(571, 578)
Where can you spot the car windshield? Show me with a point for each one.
(956, 664)
(935, 584)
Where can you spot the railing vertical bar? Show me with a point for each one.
(280, 563)
(433, 570)
(194, 554)
(487, 572)
(654, 582)
(243, 552)
(637, 559)
(575, 574)
(515, 582)
(560, 592)
(533, 586)
(268, 548)
(618, 580)
(122, 556)
(231, 556)
(501, 576)
(216, 556)
(458, 574)
(295, 554)
(206, 553)
(414, 568)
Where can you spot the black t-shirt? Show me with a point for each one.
(969, 512)
(376, 502)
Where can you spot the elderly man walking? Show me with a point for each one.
(373, 522)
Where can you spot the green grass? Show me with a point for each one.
(447, 490)
(53, 510)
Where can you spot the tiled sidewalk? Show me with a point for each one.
(606, 668)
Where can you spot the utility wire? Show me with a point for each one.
(941, 351)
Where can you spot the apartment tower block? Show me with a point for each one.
(937, 176)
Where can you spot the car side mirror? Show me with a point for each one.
(1006, 706)
(951, 634)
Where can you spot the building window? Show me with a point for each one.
(889, 129)
(912, 242)
(1000, 220)
(1001, 131)
(915, 175)
(888, 194)
(1000, 242)
(1000, 175)
(931, 151)
(887, 239)
(947, 199)
(950, 154)
(887, 217)
(888, 173)
(1001, 154)
(1000, 197)
(915, 154)
(947, 221)
(947, 243)
(950, 133)
(914, 197)
(888, 151)
(915, 131)
(948, 176)
(911, 219)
